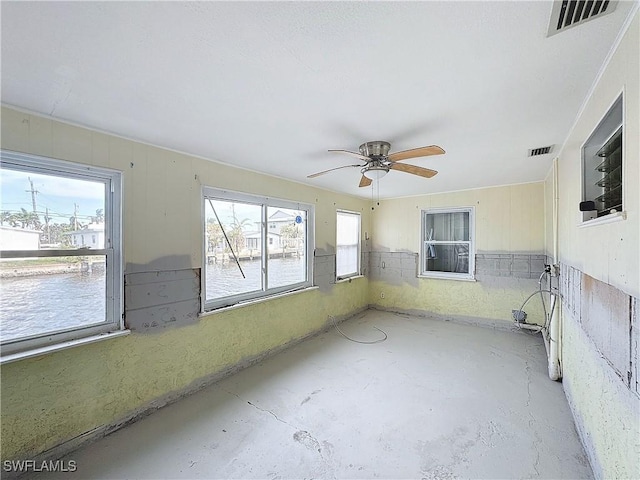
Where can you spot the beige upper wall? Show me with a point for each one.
(162, 188)
(609, 252)
(508, 218)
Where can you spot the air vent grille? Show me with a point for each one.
(534, 152)
(569, 13)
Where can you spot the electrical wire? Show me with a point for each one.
(380, 340)
(537, 292)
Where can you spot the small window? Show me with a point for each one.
(243, 261)
(347, 244)
(447, 243)
(602, 169)
(52, 289)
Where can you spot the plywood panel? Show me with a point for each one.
(605, 316)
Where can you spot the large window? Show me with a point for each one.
(254, 247)
(447, 243)
(60, 255)
(347, 244)
(602, 169)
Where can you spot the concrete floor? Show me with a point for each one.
(437, 400)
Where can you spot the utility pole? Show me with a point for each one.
(46, 223)
(33, 194)
(75, 216)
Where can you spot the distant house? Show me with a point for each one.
(92, 236)
(279, 219)
(14, 238)
(253, 240)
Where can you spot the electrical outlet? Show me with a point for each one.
(381, 294)
(519, 315)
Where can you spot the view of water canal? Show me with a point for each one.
(37, 304)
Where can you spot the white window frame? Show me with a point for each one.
(112, 180)
(265, 202)
(607, 126)
(359, 246)
(424, 244)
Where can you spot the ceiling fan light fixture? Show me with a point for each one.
(375, 172)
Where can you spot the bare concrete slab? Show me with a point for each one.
(436, 400)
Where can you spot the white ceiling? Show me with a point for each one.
(271, 86)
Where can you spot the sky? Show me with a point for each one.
(58, 194)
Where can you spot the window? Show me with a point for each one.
(447, 243)
(254, 247)
(52, 290)
(602, 172)
(347, 244)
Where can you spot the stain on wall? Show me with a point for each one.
(600, 365)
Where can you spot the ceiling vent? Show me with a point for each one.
(534, 152)
(569, 13)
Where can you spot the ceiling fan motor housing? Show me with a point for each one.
(375, 149)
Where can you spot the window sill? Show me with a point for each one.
(348, 279)
(36, 352)
(448, 277)
(611, 218)
(255, 301)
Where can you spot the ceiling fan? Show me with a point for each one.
(378, 161)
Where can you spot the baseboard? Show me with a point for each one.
(494, 324)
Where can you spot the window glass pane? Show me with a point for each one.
(453, 226)
(46, 211)
(347, 241)
(602, 169)
(42, 295)
(49, 294)
(447, 257)
(287, 240)
(227, 274)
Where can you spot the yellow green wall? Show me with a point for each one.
(610, 252)
(606, 409)
(53, 398)
(508, 219)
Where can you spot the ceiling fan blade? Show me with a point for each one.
(361, 157)
(423, 172)
(416, 152)
(331, 170)
(365, 182)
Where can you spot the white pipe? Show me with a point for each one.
(554, 342)
(557, 313)
(554, 210)
(552, 335)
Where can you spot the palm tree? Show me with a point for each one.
(99, 218)
(28, 219)
(236, 232)
(290, 234)
(5, 217)
(214, 234)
